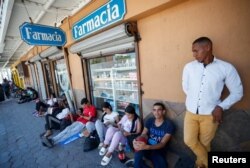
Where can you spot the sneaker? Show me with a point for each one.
(34, 112)
(42, 134)
(48, 142)
(36, 115)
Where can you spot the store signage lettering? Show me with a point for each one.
(35, 34)
(108, 14)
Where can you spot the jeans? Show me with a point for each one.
(156, 156)
(101, 129)
(74, 128)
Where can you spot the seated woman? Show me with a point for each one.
(129, 125)
(108, 119)
(53, 120)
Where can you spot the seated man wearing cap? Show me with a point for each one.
(89, 113)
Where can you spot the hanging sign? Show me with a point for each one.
(35, 34)
(106, 15)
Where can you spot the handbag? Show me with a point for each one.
(91, 142)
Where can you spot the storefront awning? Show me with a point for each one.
(110, 41)
(51, 53)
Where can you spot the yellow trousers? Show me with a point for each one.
(199, 130)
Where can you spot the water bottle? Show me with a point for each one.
(121, 154)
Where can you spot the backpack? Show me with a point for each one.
(91, 142)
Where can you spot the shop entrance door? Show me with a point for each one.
(49, 79)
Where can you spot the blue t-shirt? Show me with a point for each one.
(155, 134)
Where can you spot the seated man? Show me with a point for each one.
(42, 108)
(157, 132)
(53, 120)
(89, 113)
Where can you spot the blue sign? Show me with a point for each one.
(35, 34)
(106, 15)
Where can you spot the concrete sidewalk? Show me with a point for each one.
(20, 145)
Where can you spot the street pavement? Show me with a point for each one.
(20, 144)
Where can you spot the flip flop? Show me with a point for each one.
(105, 160)
(100, 145)
(103, 151)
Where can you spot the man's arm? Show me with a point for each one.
(185, 80)
(234, 85)
(136, 144)
(165, 139)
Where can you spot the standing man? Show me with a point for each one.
(6, 88)
(156, 134)
(203, 81)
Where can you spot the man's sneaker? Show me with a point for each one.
(48, 142)
(42, 134)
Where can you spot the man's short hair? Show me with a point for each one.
(160, 104)
(84, 101)
(203, 40)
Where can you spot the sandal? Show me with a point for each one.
(103, 151)
(100, 145)
(105, 160)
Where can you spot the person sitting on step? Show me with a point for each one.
(129, 125)
(109, 118)
(53, 120)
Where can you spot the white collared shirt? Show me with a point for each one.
(203, 86)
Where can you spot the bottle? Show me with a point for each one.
(121, 154)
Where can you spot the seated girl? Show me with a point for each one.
(108, 119)
(129, 125)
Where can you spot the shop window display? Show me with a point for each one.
(114, 79)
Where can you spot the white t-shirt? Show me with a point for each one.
(51, 102)
(63, 114)
(110, 117)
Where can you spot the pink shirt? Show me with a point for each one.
(126, 124)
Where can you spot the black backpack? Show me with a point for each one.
(91, 142)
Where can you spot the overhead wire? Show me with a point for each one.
(31, 21)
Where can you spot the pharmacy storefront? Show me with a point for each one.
(110, 57)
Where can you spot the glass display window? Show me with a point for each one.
(114, 80)
(61, 75)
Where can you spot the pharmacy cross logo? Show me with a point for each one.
(106, 15)
(35, 34)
